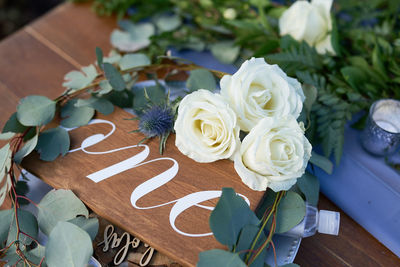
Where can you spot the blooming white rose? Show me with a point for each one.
(258, 90)
(274, 154)
(310, 22)
(206, 127)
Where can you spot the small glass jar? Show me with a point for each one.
(381, 135)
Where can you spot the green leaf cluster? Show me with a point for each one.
(235, 225)
(63, 218)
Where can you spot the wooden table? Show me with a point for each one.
(35, 60)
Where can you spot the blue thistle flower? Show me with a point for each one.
(157, 121)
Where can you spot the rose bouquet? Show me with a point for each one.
(261, 101)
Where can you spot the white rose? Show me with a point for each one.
(274, 154)
(310, 22)
(258, 90)
(206, 127)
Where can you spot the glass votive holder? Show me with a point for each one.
(381, 135)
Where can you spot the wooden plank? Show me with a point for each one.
(75, 30)
(111, 198)
(28, 67)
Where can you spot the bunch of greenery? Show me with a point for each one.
(366, 38)
(62, 217)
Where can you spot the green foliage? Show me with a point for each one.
(155, 96)
(247, 237)
(69, 241)
(226, 52)
(101, 105)
(322, 162)
(166, 23)
(201, 79)
(79, 79)
(75, 116)
(26, 149)
(5, 165)
(220, 258)
(35, 110)
(309, 186)
(6, 136)
(90, 225)
(230, 215)
(133, 37)
(295, 58)
(59, 205)
(291, 211)
(122, 99)
(114, 77)
(52, 143)
(129, 61)
(13, 125)
(6, 216)
(68, 246)
(28, 224)
(99, 57)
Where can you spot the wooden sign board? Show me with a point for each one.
(164, 200)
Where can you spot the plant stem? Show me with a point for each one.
(278, 197)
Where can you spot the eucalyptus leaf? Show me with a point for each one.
(134, 37)
(6, 136)
(100, 104)
(80, 79)
(114, 77)
(6, 217)
(130, 61)
(90, 225)
(36, 255)
(322, 162)
(35, 110)
(26, 149)
(5, 165)
(59, 205)
(290, 212)
(28, 224)
(13, 125)
(166, 23)
(99, 57)
(219, 258)
(52, 143)
(113, 57)
(12, 258)
(226, 51)
(68, 246)
(105, 88)
(75, 116)
(229, 216)
(309, 186)
(122, 99)
(201, 79)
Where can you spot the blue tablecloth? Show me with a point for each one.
(363, 186)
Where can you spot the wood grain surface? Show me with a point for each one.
(34, 61)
